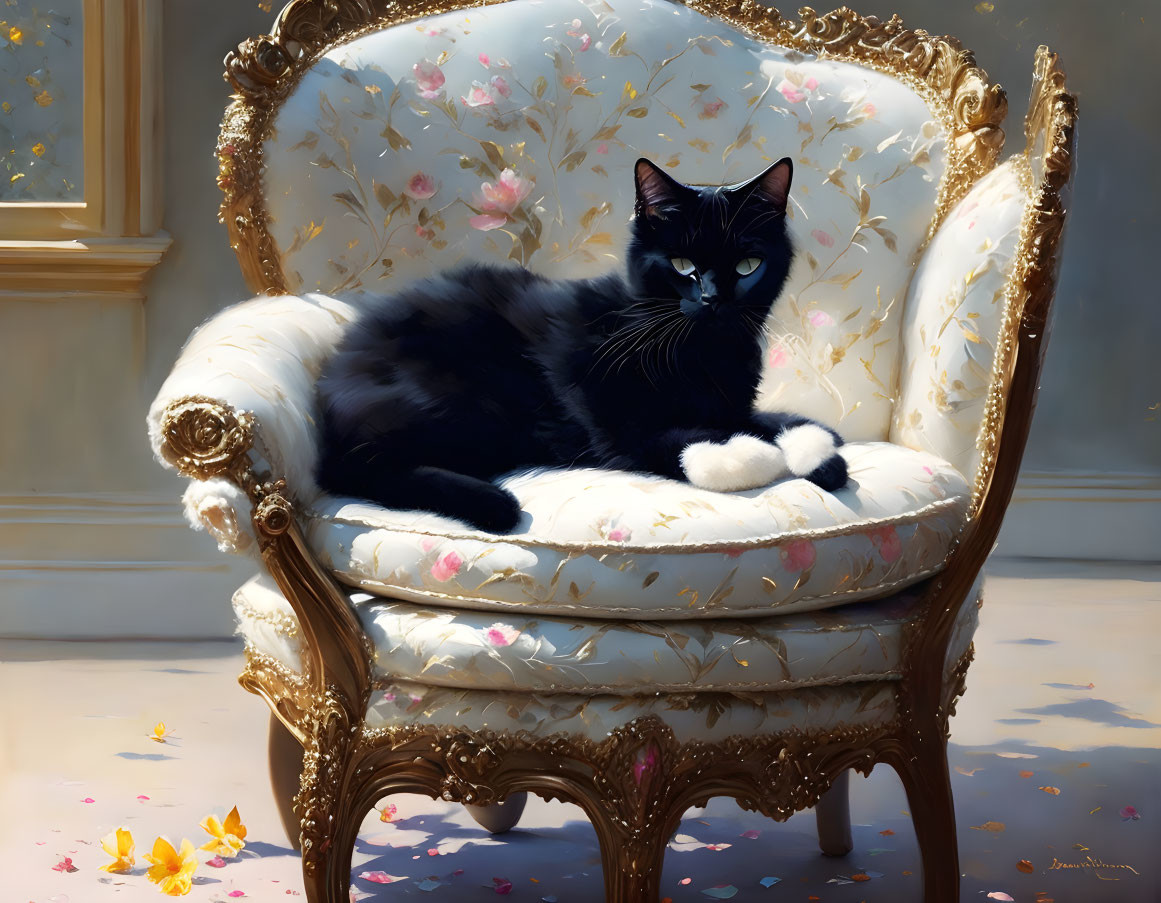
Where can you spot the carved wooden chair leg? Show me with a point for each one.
(336, 803)
(499, 818)
(285, 754)
(833, 814)
(922, 766)
(632, 859)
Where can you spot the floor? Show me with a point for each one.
(1056, 753)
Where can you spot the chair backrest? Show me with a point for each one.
(366, 148)
(980, 277)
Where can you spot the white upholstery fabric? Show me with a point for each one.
(473, 650)
(622, 545)
(691, 716)
(510, 132)
(262, 356)
(953, 317)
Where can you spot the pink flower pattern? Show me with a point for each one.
(823, 238)
(820, 318)
(501, 634)
(886, 540)
(500, 199)
(710, 109)
(478, 96)
(501, 85)
(430, 78)
(420, 187)
(798, 555)
(447, 566)
(779, 356)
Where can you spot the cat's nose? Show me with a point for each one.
(709, 291)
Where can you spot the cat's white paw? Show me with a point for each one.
(806, 448)
(742, 462)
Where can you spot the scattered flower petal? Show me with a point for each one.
(887, 832)
(1000, 895)
(229, 839)
(381, 877)
(1027, 774)
(65, 865)
(1055, 791)
(502, 885)
(769, 881)
(1025, 866)
(993, 827)
(119, 845)
(216, 863)
(1130, 813)
(751, 834)
(721, 892)
(172, 871)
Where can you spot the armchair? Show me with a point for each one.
(643, 645)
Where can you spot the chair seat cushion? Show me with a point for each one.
(613, 545)
(447, 647)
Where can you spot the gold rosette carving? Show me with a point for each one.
(204, 438)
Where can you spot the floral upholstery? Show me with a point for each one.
(954, 315)
(706, 717)
(623, 545)
(607, 544)
(510, 132)
(527, 653)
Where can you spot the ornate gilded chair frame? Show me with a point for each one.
(347, 768)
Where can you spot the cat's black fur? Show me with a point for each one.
(486, 370)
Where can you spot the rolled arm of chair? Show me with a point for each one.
(238, 407)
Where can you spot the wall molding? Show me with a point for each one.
(55, 270)
(1083, 515)
(109, 564)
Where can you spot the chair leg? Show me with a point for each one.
(833, 814)
(926, 779)
(499, 818)
(285, 771)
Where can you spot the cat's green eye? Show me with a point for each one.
(683, 265)
(747, 265)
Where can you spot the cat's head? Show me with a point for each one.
(719, 254)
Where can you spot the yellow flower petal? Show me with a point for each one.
(172, 871)
(38, 149)
(234, 824)
(119, 845)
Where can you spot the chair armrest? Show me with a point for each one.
(239, 404)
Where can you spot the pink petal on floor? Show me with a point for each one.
(1130, 812)
(142, 796)
(88, 799)
(433, 852)
(1000, 895)
(381, 877)
(502, 885)
(216, 863)
(236, 893)
(751, 834)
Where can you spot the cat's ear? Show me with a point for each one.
(773, 185)
(656, 192)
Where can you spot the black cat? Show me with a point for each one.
(486, 370)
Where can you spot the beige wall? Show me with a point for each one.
(91, 538)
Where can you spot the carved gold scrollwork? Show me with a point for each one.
(204, 438)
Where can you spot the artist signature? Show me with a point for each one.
(1089, 863)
